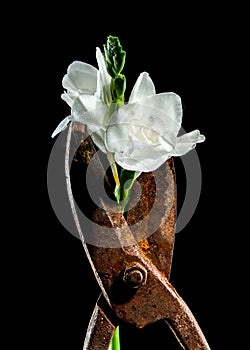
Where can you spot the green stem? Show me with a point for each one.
(114, 57)
(115, 344)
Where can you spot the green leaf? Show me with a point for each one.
(127, 179)
(115, 344)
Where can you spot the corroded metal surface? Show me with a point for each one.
(153, 300)
(100, 331)
(135, 275)
(158, 246)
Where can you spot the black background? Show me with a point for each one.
(190, 54)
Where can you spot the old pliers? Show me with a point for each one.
(132, 256)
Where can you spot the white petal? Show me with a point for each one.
(187, 142)
(98, 138)
(118, 139)
(62, 125)
(85, 103)
(143, 87)
(137, 138)
(103, 79)
(89, 110)
(146, 161)
(69, 100)
(170, 109)
(140, 123)
(132, 153)
(81, 77)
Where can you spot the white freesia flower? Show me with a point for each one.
(89, 96)
(140, 135)
(144, 133)
(87, 90)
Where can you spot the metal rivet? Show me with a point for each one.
(135, 275)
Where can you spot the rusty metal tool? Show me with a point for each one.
(132, 263)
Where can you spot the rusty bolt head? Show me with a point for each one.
(135, 275)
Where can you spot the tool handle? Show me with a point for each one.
(185, 327)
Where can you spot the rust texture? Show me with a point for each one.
(154, 298)
(161, 196)
(100, 331)
(158, 247)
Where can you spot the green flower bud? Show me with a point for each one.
(109, 62)
(114, 56)
(119, 85)
(119, 62)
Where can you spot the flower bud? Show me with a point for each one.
(119, 85)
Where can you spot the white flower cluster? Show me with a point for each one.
(142, 134)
